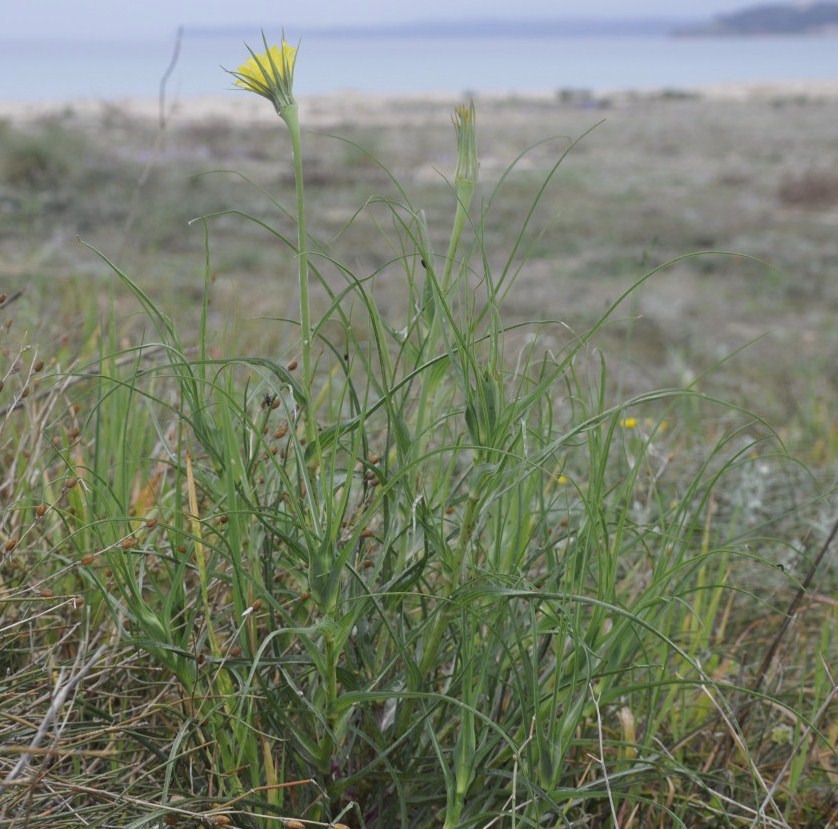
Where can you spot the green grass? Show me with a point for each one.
(503, 586)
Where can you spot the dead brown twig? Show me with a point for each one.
(727, 746)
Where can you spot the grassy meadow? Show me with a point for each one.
(535, 531)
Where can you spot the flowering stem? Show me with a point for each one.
(465, 180)
(290, 115)
(465, 192)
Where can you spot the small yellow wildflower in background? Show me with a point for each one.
(270, 74)
(648, 422)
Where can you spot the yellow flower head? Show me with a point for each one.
(258, 72)
(269, 74)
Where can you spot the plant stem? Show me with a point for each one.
(331, 678)
(290, 115)
(465, 192)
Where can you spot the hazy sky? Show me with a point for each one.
(159, 18)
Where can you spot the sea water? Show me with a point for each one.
(33, 71)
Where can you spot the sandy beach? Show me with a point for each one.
(323, 110)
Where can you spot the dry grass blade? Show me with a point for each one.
(63, 687)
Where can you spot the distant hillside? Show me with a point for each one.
(479, 28)
(774, 19)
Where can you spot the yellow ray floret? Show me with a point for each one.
(259, 73)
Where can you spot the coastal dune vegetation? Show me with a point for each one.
(361, 471)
